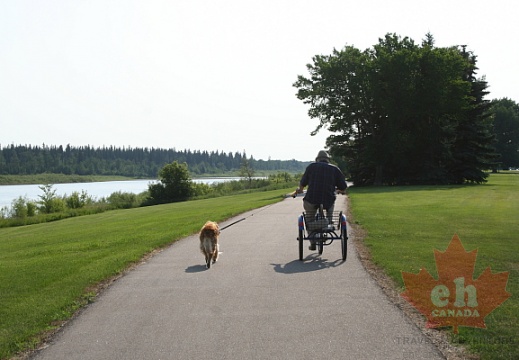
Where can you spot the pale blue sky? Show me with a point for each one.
(209, 75)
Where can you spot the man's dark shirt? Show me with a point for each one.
(322, 178)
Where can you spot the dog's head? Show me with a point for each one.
(211, 228)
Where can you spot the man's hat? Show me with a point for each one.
(323, 156)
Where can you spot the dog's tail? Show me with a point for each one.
(207, 246)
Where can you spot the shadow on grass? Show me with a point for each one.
(311, 263)
(372, 189)
(399, 188)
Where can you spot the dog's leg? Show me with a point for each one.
(207, 259)
(205, 249)
(216, 252)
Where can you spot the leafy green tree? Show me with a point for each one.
(49, 201)
(506, 128)
(401, 113)
(174, 184)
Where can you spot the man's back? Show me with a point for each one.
(322, 178)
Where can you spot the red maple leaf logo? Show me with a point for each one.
(455, 299)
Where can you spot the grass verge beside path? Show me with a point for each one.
(405, 224)
(48, 271)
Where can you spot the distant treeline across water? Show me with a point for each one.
(126, 161)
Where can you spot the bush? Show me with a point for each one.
(77, 200)
(54, 205)
(18, 208)
(31, 208)
(200, 190)
(22, 208)
(123, 200)
(174, 184)
(49, 201)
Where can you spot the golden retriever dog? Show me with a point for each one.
(209, 242)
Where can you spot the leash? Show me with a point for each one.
(237, 221)
(294, 195)
(231, 224)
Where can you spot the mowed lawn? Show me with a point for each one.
(406, 224)
(48, 271)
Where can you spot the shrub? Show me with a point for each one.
(122, 200)
(49, 201)
(19, 208)
(77, 200)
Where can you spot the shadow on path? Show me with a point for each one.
(310, 263)
(196, 268)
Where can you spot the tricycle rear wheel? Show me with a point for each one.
(300, 238)
(344, 244)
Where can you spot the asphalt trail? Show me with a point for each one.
(257, 302)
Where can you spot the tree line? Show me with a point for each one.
(407, 113)
(126, 161)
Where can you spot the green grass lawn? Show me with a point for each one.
(405, 224)
(48, 271)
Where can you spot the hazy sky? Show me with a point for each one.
(206, 74)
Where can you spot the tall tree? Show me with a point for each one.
(473, 151)
(339, 94)
(506, 128)
(401, 113)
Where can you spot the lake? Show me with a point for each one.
(97, 190)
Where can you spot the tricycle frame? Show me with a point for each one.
(323, 232)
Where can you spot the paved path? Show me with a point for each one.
(257, 302)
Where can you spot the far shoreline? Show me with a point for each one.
(49, 178)
(52, 178)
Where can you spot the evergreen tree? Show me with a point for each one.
(506, 129)
(132, 162)
(473, 151)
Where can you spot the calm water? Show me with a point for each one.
(97, 190)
